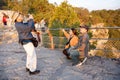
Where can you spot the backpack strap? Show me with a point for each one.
(68, 43)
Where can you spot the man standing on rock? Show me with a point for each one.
(25, 36)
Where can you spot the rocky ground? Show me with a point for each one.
(54, 66)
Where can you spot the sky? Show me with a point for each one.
(92, 4)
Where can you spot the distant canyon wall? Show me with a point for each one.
(104, 47)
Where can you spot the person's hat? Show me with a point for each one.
(84, 26)
(14, 16)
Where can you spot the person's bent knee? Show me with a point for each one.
(74, 53)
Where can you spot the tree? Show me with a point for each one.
(116, 19)
(83, 15)
(39, 8)
(64, 14)
(42, 9)
(3, 4)
(15, 5)
(109, 17)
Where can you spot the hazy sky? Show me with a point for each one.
(92, 4)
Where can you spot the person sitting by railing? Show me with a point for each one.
(72, 41)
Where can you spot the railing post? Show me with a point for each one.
(52, 44)
(51, 39)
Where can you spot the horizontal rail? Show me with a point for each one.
(106, 50)
(69, 28)
(105, 38)
(104, 27)
(89, 28)
(91, 38)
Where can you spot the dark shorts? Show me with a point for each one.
(5, 23)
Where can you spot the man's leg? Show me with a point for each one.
(31, 56)
(74, 54)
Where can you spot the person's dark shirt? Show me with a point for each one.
(24, 30)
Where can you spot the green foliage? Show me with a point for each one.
(58, 25)
(90, 34)
(83, 15)
(39, 8)
(64, 14)
(92, 46)
(64, 17)
(3, 4)
(109, 17)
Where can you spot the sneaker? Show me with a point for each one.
(68, 57)
(35, 72)
(75, 63)
(27, 70)
(82, 61)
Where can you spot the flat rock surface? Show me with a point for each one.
(54, 66)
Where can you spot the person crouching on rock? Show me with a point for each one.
(72, 41)
(25, 36)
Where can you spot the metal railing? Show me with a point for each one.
(107, 45)
(102, 46)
